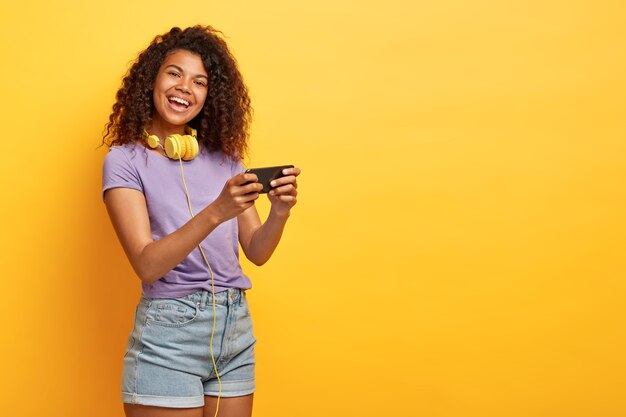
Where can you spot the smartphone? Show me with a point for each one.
(268, 174)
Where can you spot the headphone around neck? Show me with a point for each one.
(176, 146)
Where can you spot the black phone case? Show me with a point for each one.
(268, 174)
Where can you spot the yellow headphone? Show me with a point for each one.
(176, 146)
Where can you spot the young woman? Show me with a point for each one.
(180, 211)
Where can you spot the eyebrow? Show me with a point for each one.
(181, 70)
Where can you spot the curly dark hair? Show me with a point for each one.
(223, 122)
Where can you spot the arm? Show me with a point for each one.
(152, 259)
(257, 240)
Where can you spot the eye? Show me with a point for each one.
(173, 74)
(200, 83)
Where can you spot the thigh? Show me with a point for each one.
(135, 410)
(229, 407)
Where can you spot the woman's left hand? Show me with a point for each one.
(284, 192)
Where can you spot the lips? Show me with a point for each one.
(178, 104)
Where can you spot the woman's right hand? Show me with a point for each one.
(238, 195)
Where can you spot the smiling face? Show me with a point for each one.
(179, 92)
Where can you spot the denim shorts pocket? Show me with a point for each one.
(171, 312)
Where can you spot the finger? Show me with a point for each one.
(292, 171)
(244, 178)
(290, 199)
(288, 189)
(247, 198)
(290, 179)
(253, 187)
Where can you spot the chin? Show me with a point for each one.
(178, 120)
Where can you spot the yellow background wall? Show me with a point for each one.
(458, 248)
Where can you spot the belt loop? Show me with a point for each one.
(233, 296)
(202, 304)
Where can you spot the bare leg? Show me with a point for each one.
(229, 407)
(135, 410)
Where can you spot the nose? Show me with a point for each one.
(183, 85)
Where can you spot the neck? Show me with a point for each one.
(163, 129)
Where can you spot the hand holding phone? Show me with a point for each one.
(268, 174)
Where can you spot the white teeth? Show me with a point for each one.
(179, 100)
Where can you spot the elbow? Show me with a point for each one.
(146, 276)
(258, 262)
(145, 269)
(259, 259)
(148, 280)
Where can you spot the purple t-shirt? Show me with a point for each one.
(159, 179)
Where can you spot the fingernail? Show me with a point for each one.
(273, 183)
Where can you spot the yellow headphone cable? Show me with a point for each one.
(217, 374)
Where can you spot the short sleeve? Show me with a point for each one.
(119, 172)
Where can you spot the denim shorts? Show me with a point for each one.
(168, 358)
